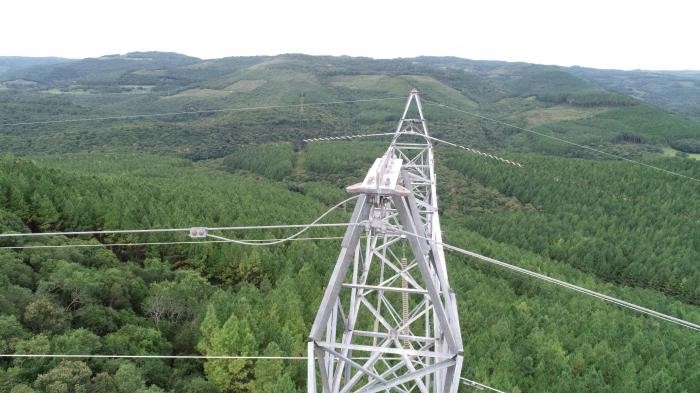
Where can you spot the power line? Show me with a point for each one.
(466, 381)
(347, 137)
(204, 111)
(565, 141)
(205, 357)
(314, 224)
(166, 230)
(30, 247)
(447, 246)
(478, 385)
(220, 239)
(469, 149)
(265, 242)
(304, 229)
(565, 284)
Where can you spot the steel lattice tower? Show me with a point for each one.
(388, 319)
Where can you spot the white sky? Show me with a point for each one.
(625, 34)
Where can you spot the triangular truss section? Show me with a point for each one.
(388, 319)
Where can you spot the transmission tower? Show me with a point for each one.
(388, 319)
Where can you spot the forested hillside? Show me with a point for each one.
(609, 225)
(547, 99)
(677, 91)
(13, 64)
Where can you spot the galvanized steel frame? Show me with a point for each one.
(388, 321)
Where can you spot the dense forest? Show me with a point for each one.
(608, 225)
(226, 299)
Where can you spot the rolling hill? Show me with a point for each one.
(675, 91)
(548, 99)
(13, 64)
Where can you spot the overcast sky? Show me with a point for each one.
(624, 34)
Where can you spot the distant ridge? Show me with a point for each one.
(12, 63)
(676, 91)
(600, 108)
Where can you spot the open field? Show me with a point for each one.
(671, 152)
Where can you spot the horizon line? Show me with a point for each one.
(675, 70)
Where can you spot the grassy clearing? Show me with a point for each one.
(372, 83)
(199, 93)
(244, 86)
(540, 116)
(399, 85)
(671, 152)
(439, 91)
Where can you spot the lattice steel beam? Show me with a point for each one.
(388, 319)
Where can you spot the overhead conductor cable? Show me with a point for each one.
(562, 140)
(565, 284)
